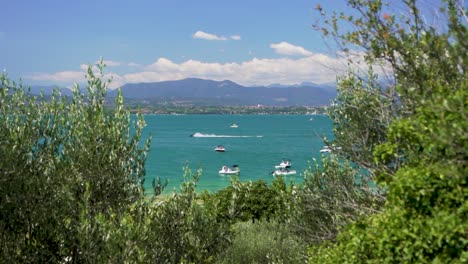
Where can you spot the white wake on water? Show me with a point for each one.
(200, 135)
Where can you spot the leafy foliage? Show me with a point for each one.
(53, 154)
(264, 242)
(249, 201)
(361, 115)
(333, 195)
(425, 216)
(175, 229)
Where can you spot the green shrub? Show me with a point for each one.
(249, 201)
(264, 242)
(56, 156)
(333, 195)
(173, 229)
(424, 158)
(180, 230)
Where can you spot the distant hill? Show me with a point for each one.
(47, 90)
(208, 92)
(230, 93)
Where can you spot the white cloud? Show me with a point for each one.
(286, 48)
(317, 68)
(68, 78)
(162, 65)
(59, 77)
(207, 36)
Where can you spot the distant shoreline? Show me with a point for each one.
(228, 110)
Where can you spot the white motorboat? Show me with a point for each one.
(226, 170)
(325, 149)
(284, 164)
(283, 172)
(234, 126)
(220, 148)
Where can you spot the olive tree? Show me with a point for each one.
(334, 194)
(57, 154)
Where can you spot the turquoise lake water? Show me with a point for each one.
(258, 144)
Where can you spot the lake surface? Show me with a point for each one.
(258, 144)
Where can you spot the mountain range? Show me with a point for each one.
(223, 93)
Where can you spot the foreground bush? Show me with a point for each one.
(423, 161)
(333, 195)
(174, 229)
(250, 201)
(180, 230)
(264, 242)
(52, 153)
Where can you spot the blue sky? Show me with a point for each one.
(255, 42)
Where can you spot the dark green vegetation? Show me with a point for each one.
(414, 130)
(395, 192)
(64, 167)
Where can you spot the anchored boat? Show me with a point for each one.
(220, 148)
(233, 170)
(284, 164)
(283, 172)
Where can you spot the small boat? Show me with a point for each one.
(284, 164)
(283, 172)
(220, 148)
(230, 170)
(325, 149)
(234, 126)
